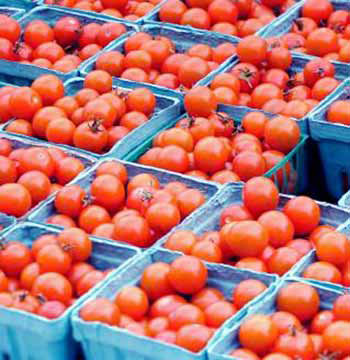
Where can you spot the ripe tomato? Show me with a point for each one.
(102, 310)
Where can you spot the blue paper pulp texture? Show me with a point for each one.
(25, 336)
(298, 64)
(6, 221)
(115, 343)
(208, 217)
(23, 142)
(108, 17)
(333, 143)
(168, 106)
(11, 11)
(221, 348)
(27, 72)
(206, 188)
(182, 37)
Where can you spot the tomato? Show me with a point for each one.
(252, 49)
(253, 235)
(53, 286)
(336, 337)
(181, 240)
(70, 200)
(304, 214)
(258, 333)
(188, 275)
(246, 291)
(207, 297)
(244, 354)
(25, 102)
(141, 100)
(295, 344)
(77, 243)
(185, 315)
(52, 258)
(285, 322)
(51, 309)
(88, 281)
(102, 310)
(321, 321)
(200, 101)
(197, 18)
(279, 227)
(134, 230)
(190, 200)
(25, 302)
(299, 299)
(15, 199)
(260, 195)
(162, 217)
(193, 337)
(77, 271)
(321, 42)
(282, 260)
(323, 271)
(91, 136)
(248, 75)
(132, 301)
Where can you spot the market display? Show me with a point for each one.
(169, 171)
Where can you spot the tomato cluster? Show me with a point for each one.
(127, 9)
(241, 18)
(94, 119)
(265, 82)
(298, 329)
(61, 47)
(339, 112)
(255, 235)
(332, 258)
(321, 30)
(48, 277)
(213, 148)
(30, 175)
(155, 60)
(158, 307)
(137, 211)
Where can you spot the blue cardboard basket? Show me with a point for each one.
(334, 144)
(208, 217)
(155, 17)
(344, 201)
(283, 24)
(108, 17)
(6, 221)
(221, 348)
(298, 64)
(168, 106)
(24, 5)
(20, 142)
(42, 213)
(11, 11)
(295, 157)
(25, 336)
(115, 343)
(49, 15)
(182, 37)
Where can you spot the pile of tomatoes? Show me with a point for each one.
(262, 80)
(61, 47)
(93, 119)
(48, 277)
(321, 30)
(136, 210)
(300, 328)
(172, 304)
(339, 112)
(255, 235)
(238, 18)
(214, 148)
(127, 9)
(30, 175)
(155, 60)
(332, 258)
